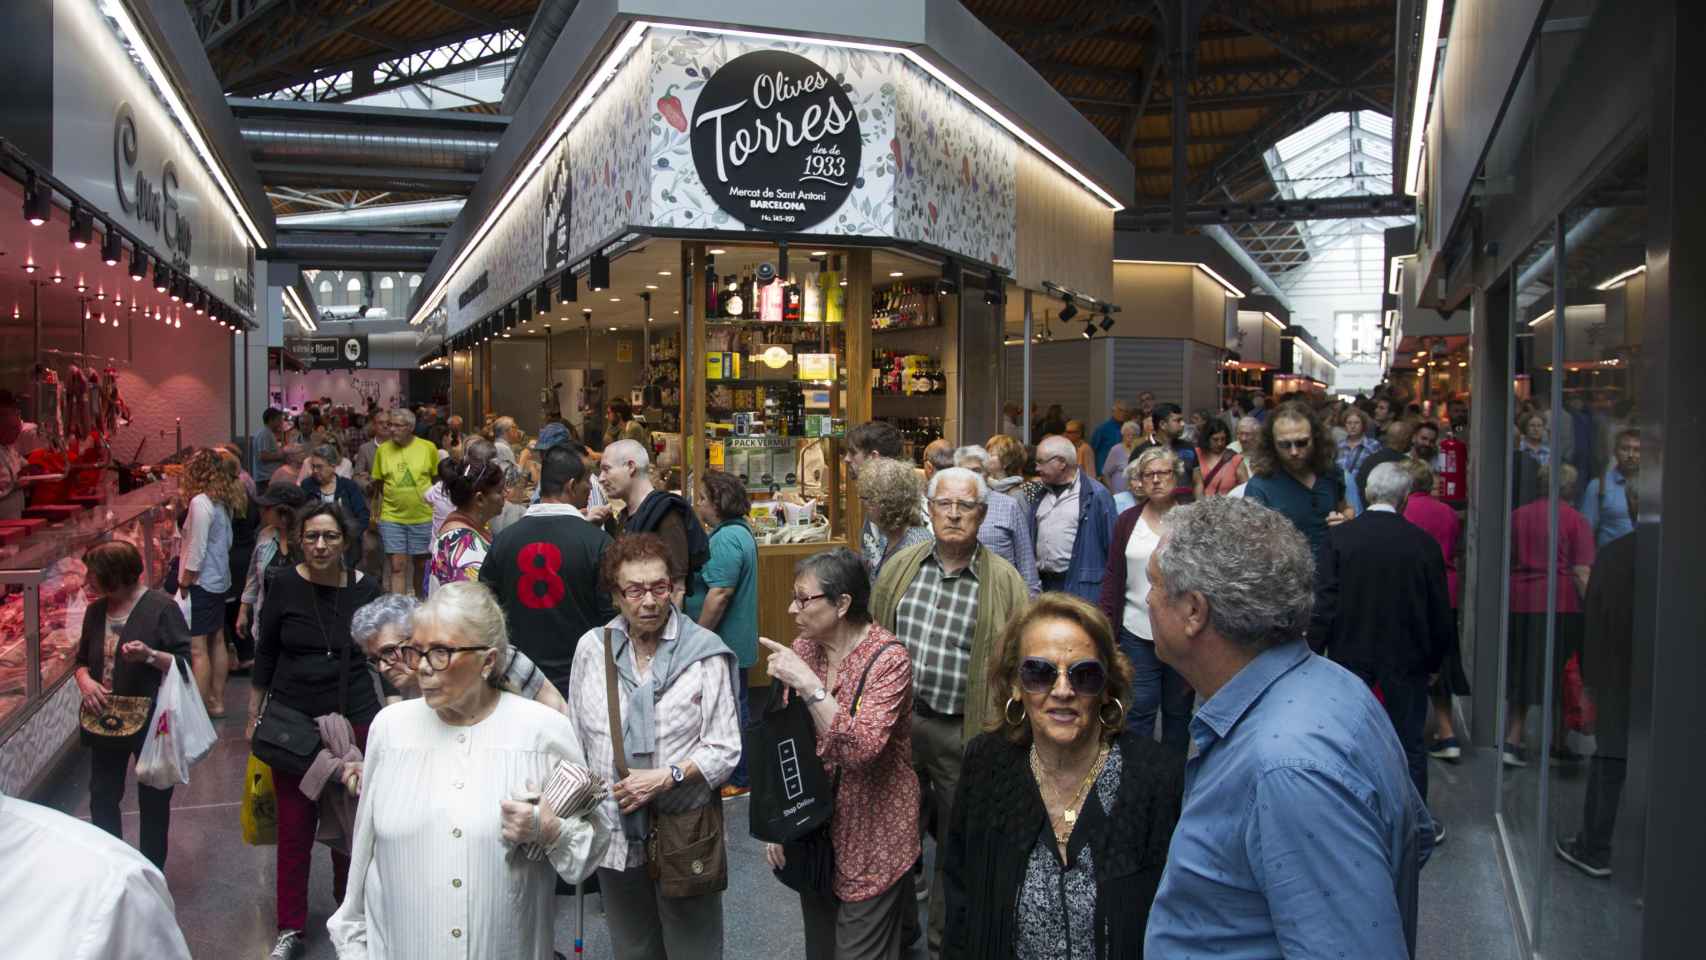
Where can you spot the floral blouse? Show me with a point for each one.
(457, 555)
(1057, 902)
(875, 824)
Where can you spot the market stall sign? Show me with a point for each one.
(776, 141)
(330, 353)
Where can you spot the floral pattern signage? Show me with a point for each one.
(956, 186)
(775, 140)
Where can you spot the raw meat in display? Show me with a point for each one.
(115, 411)
(49, 407)
(76, 404)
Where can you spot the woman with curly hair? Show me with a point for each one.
(888, 490)
(1294, 470)
(215, 494)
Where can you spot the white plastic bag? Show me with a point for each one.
(179, 735)
(183, 600)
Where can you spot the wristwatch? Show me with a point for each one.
(818, 695)
(675, 773)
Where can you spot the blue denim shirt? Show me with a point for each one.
(1302, 834)
(1606, 509)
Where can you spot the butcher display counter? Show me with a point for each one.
(42, 595)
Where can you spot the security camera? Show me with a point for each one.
(766, 272)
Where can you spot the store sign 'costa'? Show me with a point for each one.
(138, 196)
(776, 141)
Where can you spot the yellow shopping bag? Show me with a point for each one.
(259, 809)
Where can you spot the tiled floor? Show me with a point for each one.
(224, 889)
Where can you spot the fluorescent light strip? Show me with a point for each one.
(1537, 321)
(1395, 274)
(1273, 320)
(1231, 290)
(631, 39)
(1620, 279)
(303, 319)
(1427, 59)
(117, 10)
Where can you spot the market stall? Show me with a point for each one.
(126, 280)
(762, 238)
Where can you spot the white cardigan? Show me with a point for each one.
(430, 877)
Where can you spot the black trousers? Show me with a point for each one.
(1599, 807)
(107, 772)
(1407, 706)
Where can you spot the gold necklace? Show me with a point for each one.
(1069, 813)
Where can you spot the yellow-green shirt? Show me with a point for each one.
(407, 472)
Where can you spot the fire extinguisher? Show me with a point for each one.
(1454, 470)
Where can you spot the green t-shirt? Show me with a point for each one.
(407, 473)
(734, 565)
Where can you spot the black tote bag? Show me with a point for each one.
(791, 793)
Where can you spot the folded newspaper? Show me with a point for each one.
(571, 792)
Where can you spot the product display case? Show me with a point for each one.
(42, 597)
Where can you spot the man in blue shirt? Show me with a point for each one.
(1604, 504)
(1301, 833)
(1295, 472)
(1107, 436)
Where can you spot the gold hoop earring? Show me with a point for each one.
(1119, 709)
(1007, 712)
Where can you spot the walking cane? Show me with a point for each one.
(580, 918)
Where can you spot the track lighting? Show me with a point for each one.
(112, 247)
(138, 264)
(542, 300)
(38, 202)
(30, 266)
(175, 288)
(995, 294)
(525, 313)
(82, 226)
(1068, 312)
(162, 276)
(598, 273)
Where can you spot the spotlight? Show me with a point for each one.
(81, 286)
(949, 283)
(1068, 312)
(38, 202)
(598, 272)
(646, 298)
(996, 293)
(175, 288)
(30, 266)
(82, 226)
(542, 300)
(1107, 321)
(526, 311)
(138, 264)
(58, 278)
(1089, 330)
(201, 302)
(112, 247)
(566, 289)
(162, 276)
(508, 318)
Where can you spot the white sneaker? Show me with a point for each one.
(289, 941)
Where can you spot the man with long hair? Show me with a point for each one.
(1294, 471)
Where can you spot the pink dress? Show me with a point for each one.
(1441, 523)
(1528, 556)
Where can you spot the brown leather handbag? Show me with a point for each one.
(685, 852)
(123, 718)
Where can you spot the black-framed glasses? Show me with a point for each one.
(1088, 678)
(388, 655)
(322, 536)
(659, 589)
(1303, 444)
(801, 602)
(436, 657)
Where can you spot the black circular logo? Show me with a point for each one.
(776, 141)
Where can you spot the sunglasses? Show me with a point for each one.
(1088, 678)
(1293, 444)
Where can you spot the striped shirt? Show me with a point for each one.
(935, 618)
(1006, 531)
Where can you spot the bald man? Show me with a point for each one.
(625, 473)
(1074, 520)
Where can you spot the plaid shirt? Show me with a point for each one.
(935, 619)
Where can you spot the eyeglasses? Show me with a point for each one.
(638, 591)
(436, 657)
(951, 507)
(1303, 444)
(388, 655)
(1088, 678)
(1156, 475)
(322, 536)
(801, 602)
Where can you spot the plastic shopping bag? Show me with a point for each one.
(182, 598)
(259, 811)
(179, 735)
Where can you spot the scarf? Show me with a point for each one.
(692, 644)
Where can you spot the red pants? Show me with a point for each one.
(298, 819)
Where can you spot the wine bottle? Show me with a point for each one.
(834, 294)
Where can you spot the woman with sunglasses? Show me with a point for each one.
(1062, 817)
(300, 661)
(856, 679)
(1156, 687)
(680, 741)
(475, 486)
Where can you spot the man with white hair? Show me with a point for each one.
(1005, 530)
(505, 435)
(1245, 433)
(625, 472)
(1074, 522)
(1383, 610)
(1300, 834)
(948, 600)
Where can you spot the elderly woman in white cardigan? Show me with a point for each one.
(439, 868)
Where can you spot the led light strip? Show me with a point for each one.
(1231, 290)
(1428, 58)
(139, 45)
(1395, 274)
(1537, 321)
(1612, 283)
(612, 62)
(302, 318)
(1274, 320)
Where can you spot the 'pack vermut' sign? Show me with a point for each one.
(776, 141)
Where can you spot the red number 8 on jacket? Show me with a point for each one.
(540, 586)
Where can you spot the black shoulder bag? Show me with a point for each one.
(286, 739)
(808, 864)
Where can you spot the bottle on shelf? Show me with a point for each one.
(833, 293)
(811, 295)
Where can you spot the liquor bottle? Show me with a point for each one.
(811, 296)
(792, 295)
(713, 300)
(834, 294)
(734, 305)
(770, 297)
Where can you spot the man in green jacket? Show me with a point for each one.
(948, 600)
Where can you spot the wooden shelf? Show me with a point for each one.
(928, 326)
(774, 324)
(749, 382)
